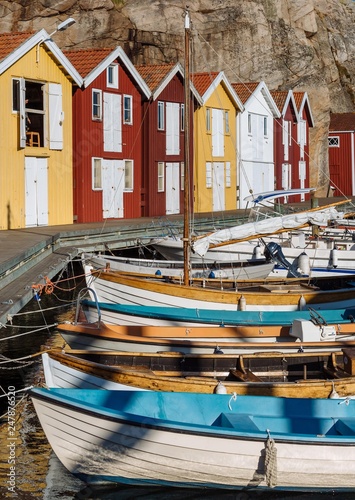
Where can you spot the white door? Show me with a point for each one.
(36, 191)
(218, 186)
(112, 189)
(172, 188)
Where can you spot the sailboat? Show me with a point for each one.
(127, 288)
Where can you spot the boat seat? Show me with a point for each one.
(345, 426)
(241, 422)
(246, 376)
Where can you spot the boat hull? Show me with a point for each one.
(119, 288)
(105, 436)
(203, 374)
(186, 340)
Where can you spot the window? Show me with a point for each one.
(161, 124)
(161, 167)
(15, 94)
(265, 126)
(182, 118)
(127, 109)
(208, 120)
(96, 104)
(128, 175)
(249, 124)
(112, 76)
(96, 174)
(334, 142)
(228, 174)
(182, 176)
(208, 175)
(226, 122)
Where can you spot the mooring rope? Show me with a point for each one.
(270, 462)
(45, 327)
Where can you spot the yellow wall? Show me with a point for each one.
(203, 201)
(37, 65)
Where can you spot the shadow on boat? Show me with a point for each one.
(164, 493)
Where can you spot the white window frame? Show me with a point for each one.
(128, 99)
(182, 117)
(112, 70)
(208, 120)
(161, 115)
(96, 164)
(209, 175)
(228, 174)
(226, 122)
(265, 126)
(182, 176)
(334, 141)
(128, 175)
(250, 132)
(97, 117)
(161, 177)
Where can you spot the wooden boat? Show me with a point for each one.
(198, 340)
(211, 293)
(240, 269)
(306, 375)
(201, 440)
(250, 323)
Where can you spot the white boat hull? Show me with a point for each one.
(100, 446)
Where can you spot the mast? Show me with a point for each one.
(186, 234)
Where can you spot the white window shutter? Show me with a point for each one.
(112, 123)
(22, 113)
(55, 116)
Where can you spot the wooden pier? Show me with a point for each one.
(29, 255)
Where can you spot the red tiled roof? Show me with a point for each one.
(154, 74)
(280, 97)
(342, 121)
(202, 81)
(85, 60)
(11, 41)
(298, 96)
(244, 90)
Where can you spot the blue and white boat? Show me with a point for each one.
(201, 440)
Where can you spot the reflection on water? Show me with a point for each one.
(38, 473)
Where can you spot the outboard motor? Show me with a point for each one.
(273, 251)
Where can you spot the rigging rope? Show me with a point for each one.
(270, 462)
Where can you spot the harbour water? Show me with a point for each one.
(28, 467)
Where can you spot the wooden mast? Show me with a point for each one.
(186, 234)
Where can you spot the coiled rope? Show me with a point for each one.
(270, 462)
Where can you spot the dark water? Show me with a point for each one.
(37, 473)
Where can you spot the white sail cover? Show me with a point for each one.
(265, 227)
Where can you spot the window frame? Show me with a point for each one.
(208, 121)
(95, 117)
(128, 176)
(336, 141)
(161, 115)
(94, 175)
(129, 99)
(226, 122)
(161, 176)
(114, 83)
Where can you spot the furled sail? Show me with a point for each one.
(264, 227)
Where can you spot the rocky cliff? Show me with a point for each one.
(306, 45)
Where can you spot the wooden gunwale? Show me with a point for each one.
(280, 297)
(143, 377)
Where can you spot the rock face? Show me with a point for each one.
(305, 45)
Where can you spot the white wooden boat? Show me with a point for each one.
(201, 440)
(264, 295)
(200, 340)
(247, 269)
(300, 375)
